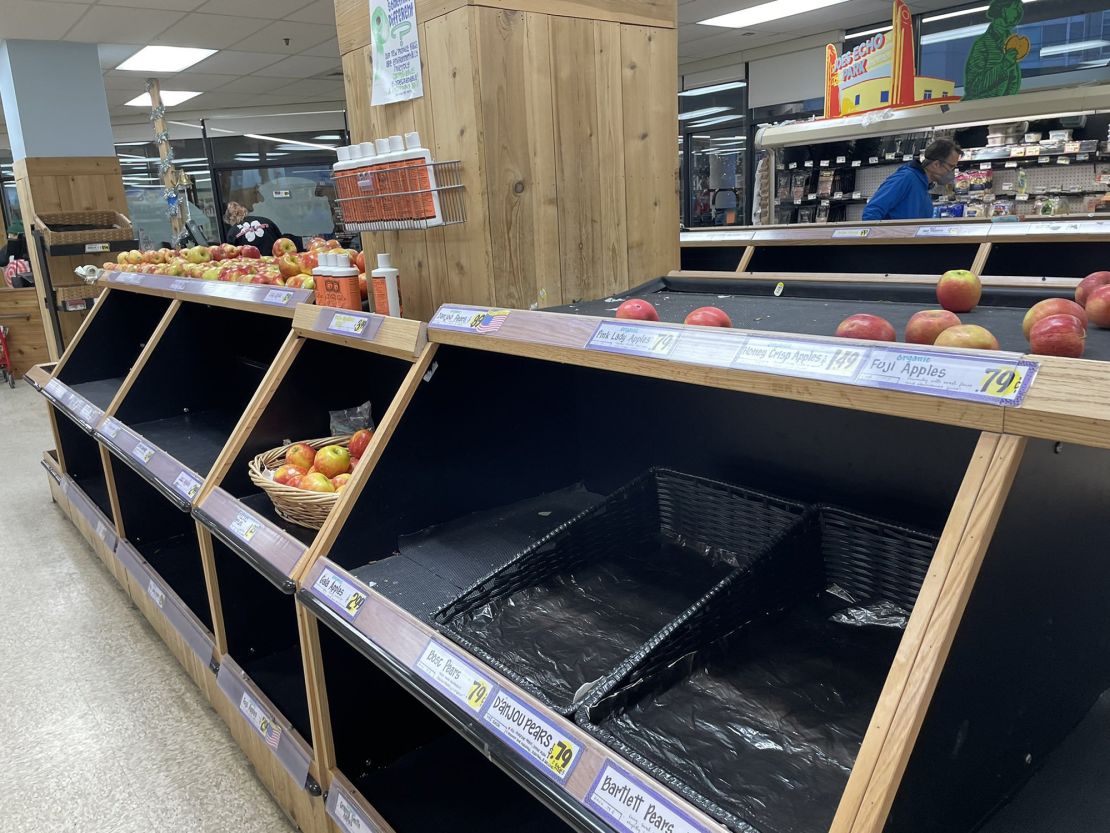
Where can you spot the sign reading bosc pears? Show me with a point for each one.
(396, 52)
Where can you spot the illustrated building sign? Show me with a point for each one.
(881, 73)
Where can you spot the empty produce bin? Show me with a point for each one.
(755, 706)
(568, 610)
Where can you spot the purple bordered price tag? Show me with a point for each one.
(347, 815)
(342, 595)
(186, 485)
(454, 677)
(143, 452)
(280, 297)
(634, 339)
(482, 321)
(991, 380)
(352, 324)
(260, 720)
(538, 740)
(628, 805)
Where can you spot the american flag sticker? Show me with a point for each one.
(271, 732)
(491, 321)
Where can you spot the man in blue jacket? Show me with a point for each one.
(905, 193)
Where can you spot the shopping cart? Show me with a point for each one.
(7, 372)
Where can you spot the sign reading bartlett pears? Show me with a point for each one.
(395, 58)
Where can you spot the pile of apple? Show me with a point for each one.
(326, 470)
(239, 264)
(1053, 327)
(637, 309)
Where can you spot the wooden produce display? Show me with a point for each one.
(21, 313)
(1043, 249)
(562, 117)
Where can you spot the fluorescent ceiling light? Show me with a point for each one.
(1078, 46)
(297, 142)
(730, 138)
(875, 31)
(716, 88)
(766, 12)
(704, 111)
(954, 34)
(717, 120)
(700, 136)
(165, 58)
(170, 98)
(332, 136)
(962, 12)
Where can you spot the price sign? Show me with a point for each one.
(1063, 160)
(87, 414)
(839, 195)
(537, 739)
(481, 321)
(143, 452)
(824, 163)
(92, 248)
(851, 232)
(110, 428)
(628, 805)
(280, 297)
(1033, 150)
(636, 340)
(792, 166)
(353, 325)
(349, 817)
(1019, 151)
(840, 160)
(155, 593)
(998, 380)
(891, 157)
(985, 166)
(808, 163)
(177, 286)
(811, 359)
(1022, 197)
(936, 231)
(856, 195)
(454, 677)
(344, 596)
(245, 526)
(262, 722)
(797, 201)
(812, 196)
(55, 388)
(857, 163)
(101, 530)
(1011, 164)
(128, 277)
(186, 485)
(1082, 157)
(907, 157)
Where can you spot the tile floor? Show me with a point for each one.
(100, 729)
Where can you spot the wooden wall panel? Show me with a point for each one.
(21, 313)
(612, 221)
(642, 12)
(651, 158)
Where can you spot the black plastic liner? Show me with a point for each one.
(566, 612)
(754, 708)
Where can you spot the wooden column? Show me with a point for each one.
(564, 115)
(72, 183)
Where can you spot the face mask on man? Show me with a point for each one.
(942, 174)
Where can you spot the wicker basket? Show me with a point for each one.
(299, 506)
(67, 227)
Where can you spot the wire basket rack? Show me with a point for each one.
(401, 195)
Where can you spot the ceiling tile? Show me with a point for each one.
(329, 48)
(198, 81)
(114, 54)
(122, 80)
(38, 21)
(302, 66)
(171, 5)
(274, 9)
(253, 84)
(230, 62)
(301, 36)
(322, 11)
(115, 24)
(316, 89)
(212, 31)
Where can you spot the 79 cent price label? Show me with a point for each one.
(995, 380)
(454, 677)
(634, 339)
(537, 739)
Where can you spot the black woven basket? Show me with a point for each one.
(868, 560)
(724, 527)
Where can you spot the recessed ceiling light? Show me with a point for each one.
(165, 58)
(170, 98)
(296, 142)
(865, 32)
(717, 120)
(954, 34)
(1078, 46)
(704, 111)
(766, 12)
(716, 88)
(960, 13)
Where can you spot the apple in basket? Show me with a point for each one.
(332, 460)
(340, 480)
(283, 474)
(359, 440)
(300, 455)
(316, 482)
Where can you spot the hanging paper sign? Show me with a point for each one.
(396, 52)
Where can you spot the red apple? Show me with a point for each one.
(959, 290)
(317, 244)
(924, 327)
(332, 244)
(1058, 335)
(1098, 306)
(967, 335)
(294, 482)
(340, 480)
(332, 460)
(354, 463)
(363, 289)
(284, 246)
(308, 261)
(295, 281)
(1051, 306)
(637, 309)
(250, 252)
(283, 473)
(360, 261)
(359, 440)
(866, 326)
(316, 482)
(300, 455)
(1089, 284)
(708, 317)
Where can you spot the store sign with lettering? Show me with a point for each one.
(278, 297)
(395, 59)
(634, 339)
(262, 722)
(349, 817)
(155, 593)
(344, 596)
(630, 806)
(143, 452)
(813, 359)
(245, 526)
(462, 319)
(994, 380)
(536, 738)
(351, 324)
(186, 485)
(453, 676)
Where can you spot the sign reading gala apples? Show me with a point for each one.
(396, 52)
